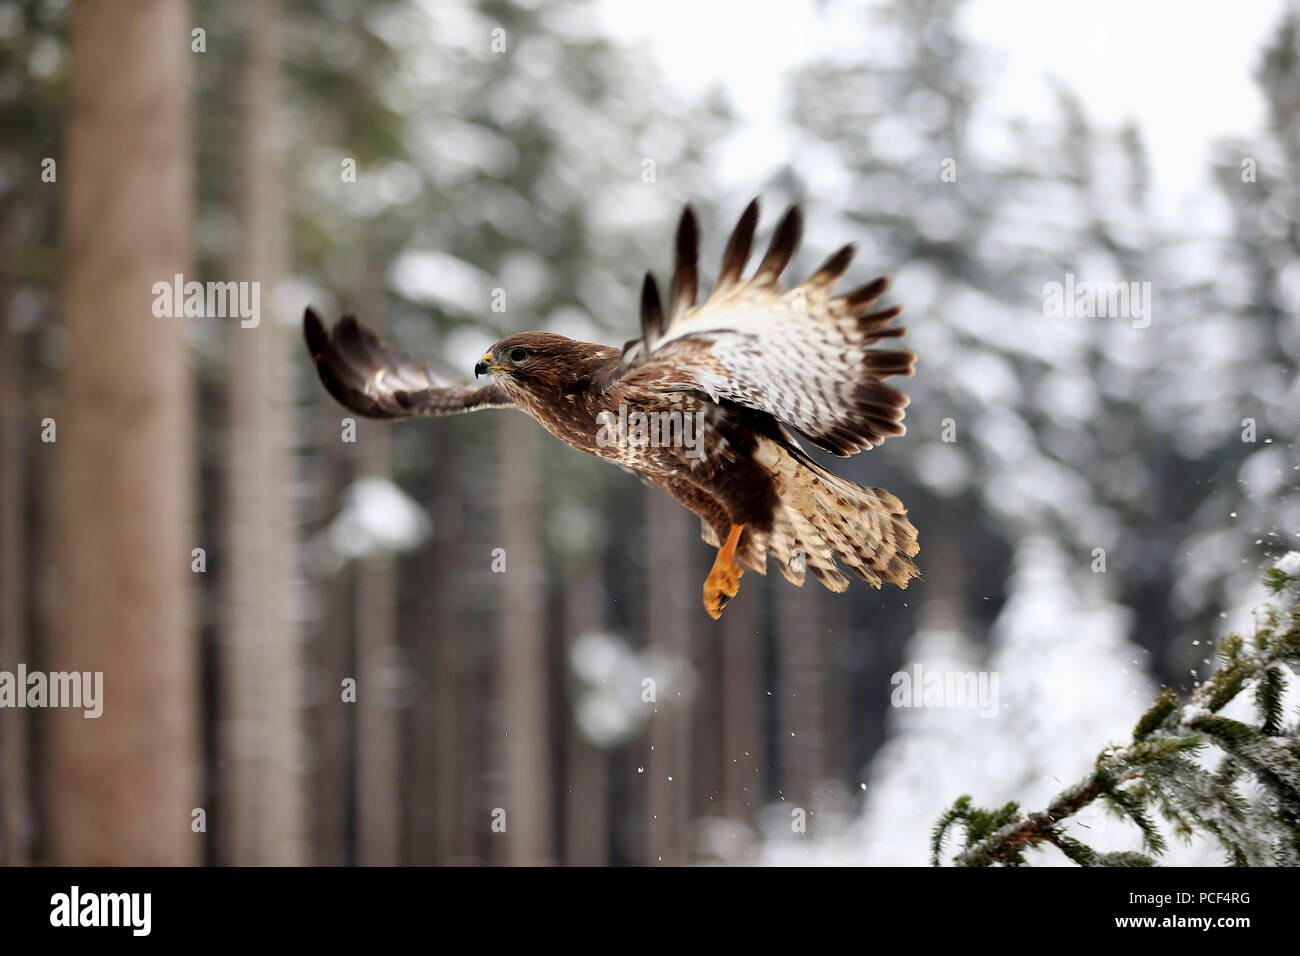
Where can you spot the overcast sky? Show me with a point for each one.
(1182, 69)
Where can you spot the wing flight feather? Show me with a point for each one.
(803, 355)
(377, 381)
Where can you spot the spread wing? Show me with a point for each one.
(366, 376)
(803, 355)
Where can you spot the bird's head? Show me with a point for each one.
(534, 363)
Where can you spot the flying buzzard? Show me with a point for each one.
(706, 405)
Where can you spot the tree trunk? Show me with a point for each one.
(15, 794)
(379, 663)
(672, 595)
(448, 763)
(378, 678)
(262, 811)
(801, 727)
(524, 673)
(329, 652)
(122, 787)
(586, 817)
(745, 768)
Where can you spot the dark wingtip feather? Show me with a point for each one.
(739, 246)
(686, 278)
(874, 325)
(688, 228)
(358, 343)
(348, 327)
(652, 311)
(343, 385)
(313, 330)
(834, 267)
(864, 295)
(785, 241)
(886, 362)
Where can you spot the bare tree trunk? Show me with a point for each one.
(802, 727)
(523, 650)
(743, 757)
(837, 723)
(586, 820)
(330, 660)
(946, 609)
(379, 676)
(378, 680)
(15, 794)
(672, 594)
(450, 717)
(122, 787)
(263, 808)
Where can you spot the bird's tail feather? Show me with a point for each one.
(823, 519)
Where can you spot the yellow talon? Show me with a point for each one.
(724, 579)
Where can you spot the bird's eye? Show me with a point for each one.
(517, 355)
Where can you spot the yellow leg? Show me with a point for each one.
(724, 579)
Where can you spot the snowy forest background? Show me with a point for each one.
(525, 169)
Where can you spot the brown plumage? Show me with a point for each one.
(706, 404)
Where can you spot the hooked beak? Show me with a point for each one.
(485, 365)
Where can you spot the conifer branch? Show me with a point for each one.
(1157, 775)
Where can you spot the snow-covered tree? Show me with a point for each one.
(1245, 796)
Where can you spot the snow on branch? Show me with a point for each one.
(1249, 802)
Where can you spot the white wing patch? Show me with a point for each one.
(802, 355)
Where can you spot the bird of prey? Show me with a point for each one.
(708, 404)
